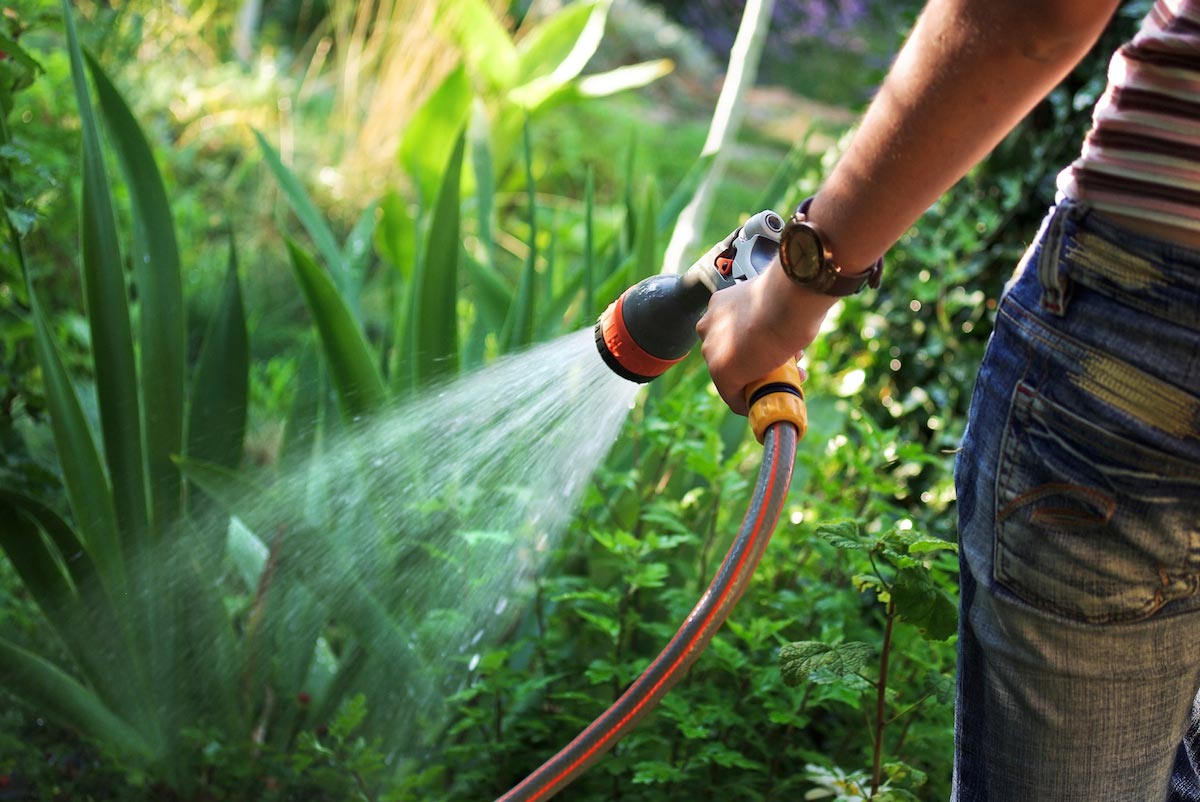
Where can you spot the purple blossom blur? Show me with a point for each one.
(793, 22)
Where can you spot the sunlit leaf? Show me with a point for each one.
(556, 50)
(435, 330)
(799, 659)
(348, 358)
(430, 138)
(844, 535)
(482, 39)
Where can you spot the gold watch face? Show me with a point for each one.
(801, 252)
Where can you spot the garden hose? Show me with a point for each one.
(774, 477)
(645, 331)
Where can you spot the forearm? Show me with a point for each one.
(967, 75)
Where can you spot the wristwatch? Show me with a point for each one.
(806, 259)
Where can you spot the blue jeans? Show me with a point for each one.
(1079, 524)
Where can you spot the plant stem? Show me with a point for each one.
(881, 698)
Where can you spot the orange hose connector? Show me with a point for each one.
(777, 397)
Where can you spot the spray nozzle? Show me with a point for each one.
(652, 325)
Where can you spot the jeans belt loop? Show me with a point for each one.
(1053, 278)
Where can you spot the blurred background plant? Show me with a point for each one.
(445, 183)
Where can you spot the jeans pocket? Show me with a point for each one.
(1092, 525)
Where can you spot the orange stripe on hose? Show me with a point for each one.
(625, 349)
(637, 710)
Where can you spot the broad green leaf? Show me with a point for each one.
(556, 50)
(396, 235)
(845, 534)
(940, 687)
(482, 39)
(431, 136)
(604, 84)
(348, 358)
(48, 688)
(161, 318)
(925, 544)
(800, 659)
(311, 218)
(221, 384)
(108, 316)
(621, 79)
(920, 602)
(436, 331)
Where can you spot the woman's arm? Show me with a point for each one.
(970, 70)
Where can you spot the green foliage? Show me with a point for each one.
(128, 421)
(92, 573)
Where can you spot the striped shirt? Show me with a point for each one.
(1142, 156)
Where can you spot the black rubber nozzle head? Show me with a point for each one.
(651, 326)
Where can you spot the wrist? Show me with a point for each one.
(808, 258)
(792, 313)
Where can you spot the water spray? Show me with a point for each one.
(649, 328)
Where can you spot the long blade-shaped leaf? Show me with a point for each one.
(48, 688)
(35, 564)
(160, 299)
(86, 621)
(310, 217)
(649, 260)
(589, 247)
(108, 316)
(520, 322)
(436, 331)
(85, 479)
(220, 387)
(429, 138)
(351, 365)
